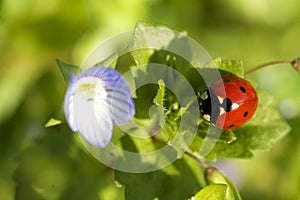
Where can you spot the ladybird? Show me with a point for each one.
(229, 102)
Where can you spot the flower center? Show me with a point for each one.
(89, 88)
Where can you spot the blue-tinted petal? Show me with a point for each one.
(68, 104)
(120, 100)
(119, 95)
(101, 72)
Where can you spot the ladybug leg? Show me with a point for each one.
(204, 95)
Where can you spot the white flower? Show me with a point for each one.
(95, 100)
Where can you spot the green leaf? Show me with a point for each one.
(159, 99)
(231, 66)
(227, 136)
(67, 69)
(145, 36)
(211, 192)
(214, 176)
(53, 122)
(140, 57)
(264, 129)
(164, 46)
(235, 67)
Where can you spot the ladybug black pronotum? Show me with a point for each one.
(229, 102)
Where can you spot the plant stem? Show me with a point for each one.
(203, 164)
(268, 64)
(294, 63)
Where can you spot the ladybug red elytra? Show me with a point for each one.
(229, 102)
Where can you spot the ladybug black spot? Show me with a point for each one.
(242, 89)
(231, 126)
(245, 114)
(226, 80)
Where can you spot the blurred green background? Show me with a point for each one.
(39, 163)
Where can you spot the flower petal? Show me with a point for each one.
(98, 98)
(92, 114)
(68, 105)
(118, 93)
(120, 101)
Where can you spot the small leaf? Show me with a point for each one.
(159, 110)
(213, 136)
(159, 98)
(226, 136)
(52, 122)
(214, 176)
(211, 192)
(67, 69)
(235, 67)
